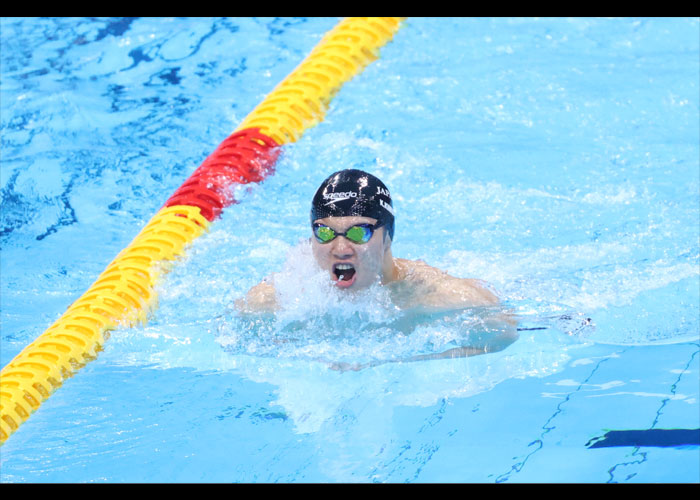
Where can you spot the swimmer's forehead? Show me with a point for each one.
(342, 223)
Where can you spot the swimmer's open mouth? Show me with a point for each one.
(343, 272)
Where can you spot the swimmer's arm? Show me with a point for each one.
(259, 299)
(456, 352)
(499, 331)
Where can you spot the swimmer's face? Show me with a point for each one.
(351, 266)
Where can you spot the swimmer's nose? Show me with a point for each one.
(342, 248)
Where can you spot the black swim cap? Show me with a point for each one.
(354, 192)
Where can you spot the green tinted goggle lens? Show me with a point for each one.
(360, 233)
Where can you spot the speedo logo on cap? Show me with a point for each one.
(340, 196)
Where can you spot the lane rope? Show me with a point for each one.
(124, 294)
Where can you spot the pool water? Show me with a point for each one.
(556, 159)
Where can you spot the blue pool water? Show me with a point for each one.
(556, 159)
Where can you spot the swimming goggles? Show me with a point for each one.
(360, 233)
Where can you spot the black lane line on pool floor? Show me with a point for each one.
(647, 437)
(652, 437)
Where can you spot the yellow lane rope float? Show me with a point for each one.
(124, 294)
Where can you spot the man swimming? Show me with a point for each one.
(352, 220)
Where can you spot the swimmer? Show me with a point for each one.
(352, 220)
(352, 224)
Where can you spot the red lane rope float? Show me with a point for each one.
(245, 156)
(124, 293)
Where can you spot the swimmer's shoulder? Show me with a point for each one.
(476, 291)
(439, 287)
(261, 298)
(415, 270)
(420, 272)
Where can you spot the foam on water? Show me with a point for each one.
(316, 320)
(314, 349)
